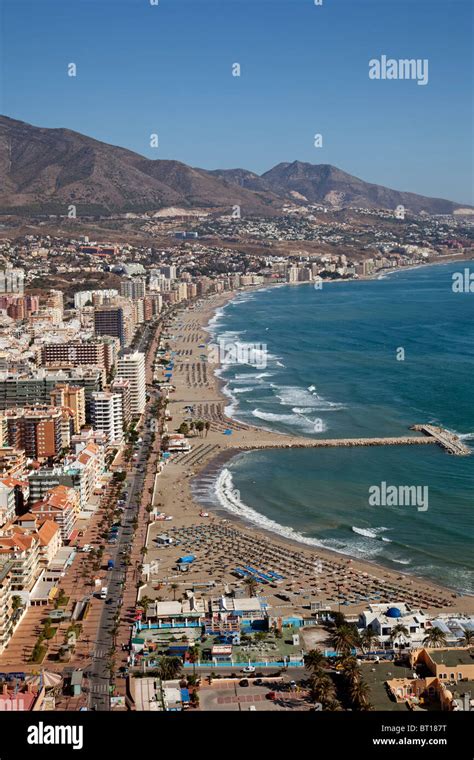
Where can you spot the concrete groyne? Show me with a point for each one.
(432, 435)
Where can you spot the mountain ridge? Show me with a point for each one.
(47, 168)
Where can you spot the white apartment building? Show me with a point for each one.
(106, 413)
(132, 367)
(7, 503)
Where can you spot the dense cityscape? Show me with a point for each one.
(102, 609)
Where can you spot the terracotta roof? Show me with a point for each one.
(47, 531)
(27, 517)
(12, 482)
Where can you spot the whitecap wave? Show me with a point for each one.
(293, 420)
(294, 396)
(372, 532)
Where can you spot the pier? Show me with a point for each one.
(444, 438)
(432, 435)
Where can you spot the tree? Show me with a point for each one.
(321, 688)
(194, 656)
(344, 639)
(169, 668)
(398, 632)
(251, 584)
(360, 695)
(199, 426)
(314, 660)
(16, 602)
(174, 587)
(352, 671)
(369, 639)
(207, 426)
(435, 638)
(145, 602)
(468, 638)
(183, 429)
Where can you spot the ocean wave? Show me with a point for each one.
(372, 532)
(251, 376)
(301, 398)
(244, 389)
(229, 499)
(294, 420)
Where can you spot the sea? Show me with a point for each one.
(355, 359)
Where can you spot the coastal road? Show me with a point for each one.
(99, 679)
(99, 674)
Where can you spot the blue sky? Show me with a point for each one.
(167, 69)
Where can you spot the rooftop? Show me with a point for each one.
(451, 657)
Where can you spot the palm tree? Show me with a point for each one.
(145, 602)
(360, 693)
(369, 639)
(351, 669)
(251, 584)
(174, 587)
(169, 668)
(194, 655)
(398, 632)
(207, 426)
(468, 638)
(435, 638)
(322, 688)
(314, 660)
(344, 639)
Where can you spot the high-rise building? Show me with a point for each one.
(133, 288)
(93, 297)
(76, 353)
(19, 390)
(38, 430)
(115, 321)
(7, 501)
(54, 300)
(292, 274)
(7, 615)
(74, 398)
(107, 415)
(110, 320)
(122, 386)
(132, 367)
(169, 271)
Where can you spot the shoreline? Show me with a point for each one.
(206, 463)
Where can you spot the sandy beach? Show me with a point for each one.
(297, 575)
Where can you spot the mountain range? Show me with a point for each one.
(44, 170)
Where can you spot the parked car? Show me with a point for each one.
(248, 669)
